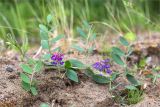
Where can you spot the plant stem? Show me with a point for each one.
(49, 47)
(32, 78)
(87, 43)
(59, 71)
(125, 60)
(63, 75)
(110, 85)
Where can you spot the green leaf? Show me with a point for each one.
(72, 75)
(142, 62)
(78, 48)
(43, 32)
(67, 64)
(44, 44)
(92, 37)
(118, 51)
(43, 35)
(157, 68)
(31, 61)
(38, 66)
(25, 86)
(54, 40)
(82, 33)
(131, 79)
(34, 91)
(43, 28)
(49, 18)
(46, 56)
(76, 63)
(114, 76)
(86, 24)
(154, 80)
(90, 50)
(123, 41)
(117, 59)
(158, 75)
(130, 87)
(130, 36)
(25, 78)
(100, 79)
(44, 105)
(26, 68)
(150, 76)
(89, 72)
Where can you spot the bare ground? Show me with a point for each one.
(52, 90)
(62, 92)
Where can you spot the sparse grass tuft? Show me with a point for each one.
(134, 96)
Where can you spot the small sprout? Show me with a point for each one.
(27, 77)
(88, 35)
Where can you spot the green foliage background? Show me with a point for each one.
(21, 17)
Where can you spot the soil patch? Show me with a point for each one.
(53, 90)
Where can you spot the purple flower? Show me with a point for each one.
(57, 59)
(108, 71)
(102, 66)
(98, 66)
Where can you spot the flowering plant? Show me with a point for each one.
(103, 66)
(101, 72)
(57, 59)
(29, 70)
(69, 66)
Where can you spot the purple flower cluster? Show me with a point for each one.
(103, 66)
(57, 59)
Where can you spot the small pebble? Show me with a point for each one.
(9, 69)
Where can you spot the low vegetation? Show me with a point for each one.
(65, 27)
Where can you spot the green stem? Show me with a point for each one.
(59, 71)
(63, 75)
(110, 85)
(87, 43)
(49, 48)
(32, 78)
(125, 60)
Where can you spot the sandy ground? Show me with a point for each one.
(62, 92)
(58, 92)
